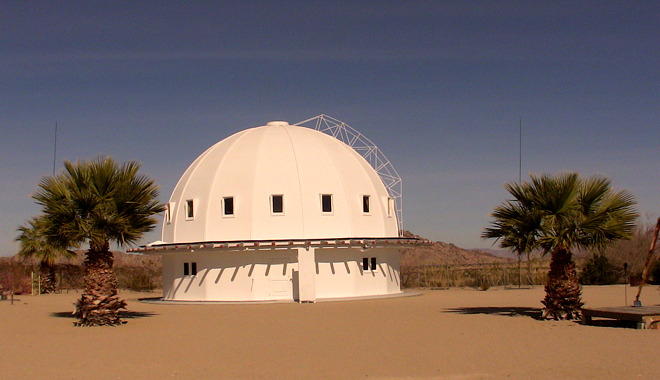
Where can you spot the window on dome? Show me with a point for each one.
(186, 269)
(193, 267)
(228, 206)
(326, 202)
(171, 206)
(390, 207)
(373, 263)
(365, 263)
(277, 204)
(190, 209)
(365, 204)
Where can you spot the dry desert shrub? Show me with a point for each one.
(134, 272)
(479, 276)
(632, 252)
(443, 265)
(13, 276)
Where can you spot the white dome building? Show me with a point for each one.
(279, 212)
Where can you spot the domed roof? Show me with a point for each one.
(279, 181)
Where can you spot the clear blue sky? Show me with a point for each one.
(440, 87)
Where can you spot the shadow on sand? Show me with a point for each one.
(504, 311)
(536, 314)
(613, 323)
(125, 314)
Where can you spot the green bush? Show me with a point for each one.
(599, 271)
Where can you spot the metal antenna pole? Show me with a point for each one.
(519, 182)
(55, 149)
(520, 152)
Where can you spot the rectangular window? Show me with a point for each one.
(186, 269)
(228, 206)
(365, 263)
(365, 204)
(169, 211)
(373, 263)
(193, 267)
(390, 207)
(326, 202)
(190, 209)
(277, 204)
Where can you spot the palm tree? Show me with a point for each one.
(33, 243)
(574, 213)
(516, 225)
(96, 203)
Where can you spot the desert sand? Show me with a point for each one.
(444, 334)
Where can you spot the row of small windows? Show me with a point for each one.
(276, 206)
(369, 263)
(190, 269)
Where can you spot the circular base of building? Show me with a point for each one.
(160, 300)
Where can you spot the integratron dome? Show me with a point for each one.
(279, 181)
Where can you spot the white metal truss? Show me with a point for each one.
(361, 144)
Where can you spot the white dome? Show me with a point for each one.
(233, 185)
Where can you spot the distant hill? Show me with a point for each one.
(440, 253)
(499, 253)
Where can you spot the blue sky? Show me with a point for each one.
(440, 87)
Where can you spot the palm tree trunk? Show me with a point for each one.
(562, 292)
(47, 277)
(530, 276)
(99, 304)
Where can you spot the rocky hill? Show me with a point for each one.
(440, 253)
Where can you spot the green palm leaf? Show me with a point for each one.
(557, 214)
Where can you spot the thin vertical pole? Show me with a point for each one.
(11, 287)
(520, 151)
(55, 149)
(649, 258)
(520, 181)
(625, 282)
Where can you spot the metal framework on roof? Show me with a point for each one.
(365, 147)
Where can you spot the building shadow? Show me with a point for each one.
(503, 311)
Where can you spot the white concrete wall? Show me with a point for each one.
(340, 273)
(230, 276)
(274, 274)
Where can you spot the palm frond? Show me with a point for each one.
(562, 212)
(98, 201)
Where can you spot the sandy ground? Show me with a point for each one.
(446, 334)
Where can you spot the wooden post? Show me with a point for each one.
(11, 287)
(519, 269)
(625, 282)
(648, 263)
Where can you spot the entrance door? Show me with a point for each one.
(280, 284)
